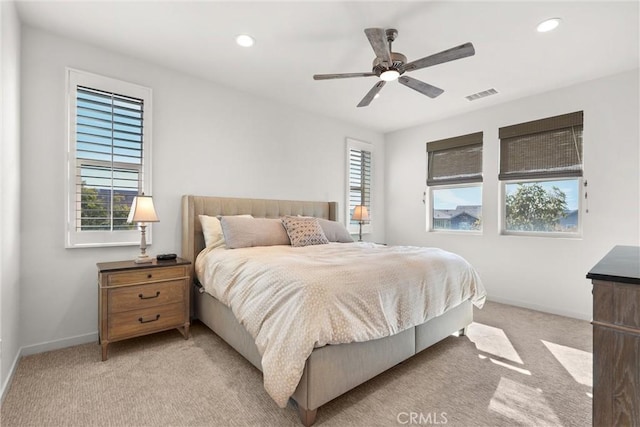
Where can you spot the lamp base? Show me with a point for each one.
(143, 259)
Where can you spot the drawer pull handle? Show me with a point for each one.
(151, 297)
(149, 276)
(141, 320)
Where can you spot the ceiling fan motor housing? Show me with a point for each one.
(397, 61)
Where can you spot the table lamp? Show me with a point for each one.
(141, 212)
(360, 214)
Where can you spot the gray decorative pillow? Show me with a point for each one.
(212, 231)
(304, 231)
(242, 232)
(335, 231)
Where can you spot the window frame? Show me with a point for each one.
(547, 124)
(449, 144)
(101, 238)
(552, 234)
(430, 206)
(354, 144)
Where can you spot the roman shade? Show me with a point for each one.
(546, 148)
(455, 160)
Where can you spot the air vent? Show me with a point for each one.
(482, 94)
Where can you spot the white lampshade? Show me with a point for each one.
(360, 213)
(142, 210)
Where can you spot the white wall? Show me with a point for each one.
(541, 273)
(9, 190)
(207, 140)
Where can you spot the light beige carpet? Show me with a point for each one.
(515, 367)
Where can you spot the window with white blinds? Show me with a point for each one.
(108, 158)
(359, 167)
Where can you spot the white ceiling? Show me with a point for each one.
(295, 40)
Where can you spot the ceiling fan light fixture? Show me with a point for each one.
(245, 40)
(548, 25)
(389, 75)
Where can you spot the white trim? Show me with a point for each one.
(364, 146)
(542, 308)
(429, 204)
(74, 239)
(502, 198)
(41, 348)
(12, 371)
(58, 344)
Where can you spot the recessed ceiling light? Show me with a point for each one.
(548, 25)
(245, 40)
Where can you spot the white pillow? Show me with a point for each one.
(212, 231)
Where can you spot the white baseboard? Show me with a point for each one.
(545, 309)
(9, 379)
(58, 344)
(41, 348)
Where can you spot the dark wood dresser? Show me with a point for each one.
(616, 338)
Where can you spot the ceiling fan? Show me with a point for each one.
(389, 65)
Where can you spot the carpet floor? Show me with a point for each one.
(515, 367)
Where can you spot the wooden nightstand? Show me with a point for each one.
(139, 299)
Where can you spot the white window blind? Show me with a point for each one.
(109, 135)
(109, 158)
(359, 178)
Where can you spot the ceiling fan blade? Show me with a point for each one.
(378, 39)
(422, 87)
(452, 54)
(371, 94)
(341, 76)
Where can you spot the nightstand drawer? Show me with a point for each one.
(139, 322)
(148, 275)
(145, 296)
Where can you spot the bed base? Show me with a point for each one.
(332, 370)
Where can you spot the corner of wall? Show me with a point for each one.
(10, 44)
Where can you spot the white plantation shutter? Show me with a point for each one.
(359, 180)
(109, 158)
(359, 183)
(109, 136)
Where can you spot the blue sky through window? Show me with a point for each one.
(451, 198)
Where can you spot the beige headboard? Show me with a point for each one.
(192, 206)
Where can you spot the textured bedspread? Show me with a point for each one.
(294, 299)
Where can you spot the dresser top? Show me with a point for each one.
(621, 264)
(131, 265)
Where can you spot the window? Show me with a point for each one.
(359, 166)
(454, 178)
(108, 158)
(541, 174)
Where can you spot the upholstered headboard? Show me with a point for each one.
(192, 206)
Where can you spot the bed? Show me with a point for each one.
(329, 370)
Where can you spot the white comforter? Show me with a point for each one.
(292, 299)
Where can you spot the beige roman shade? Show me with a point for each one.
(455, 160)
(547, 148)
